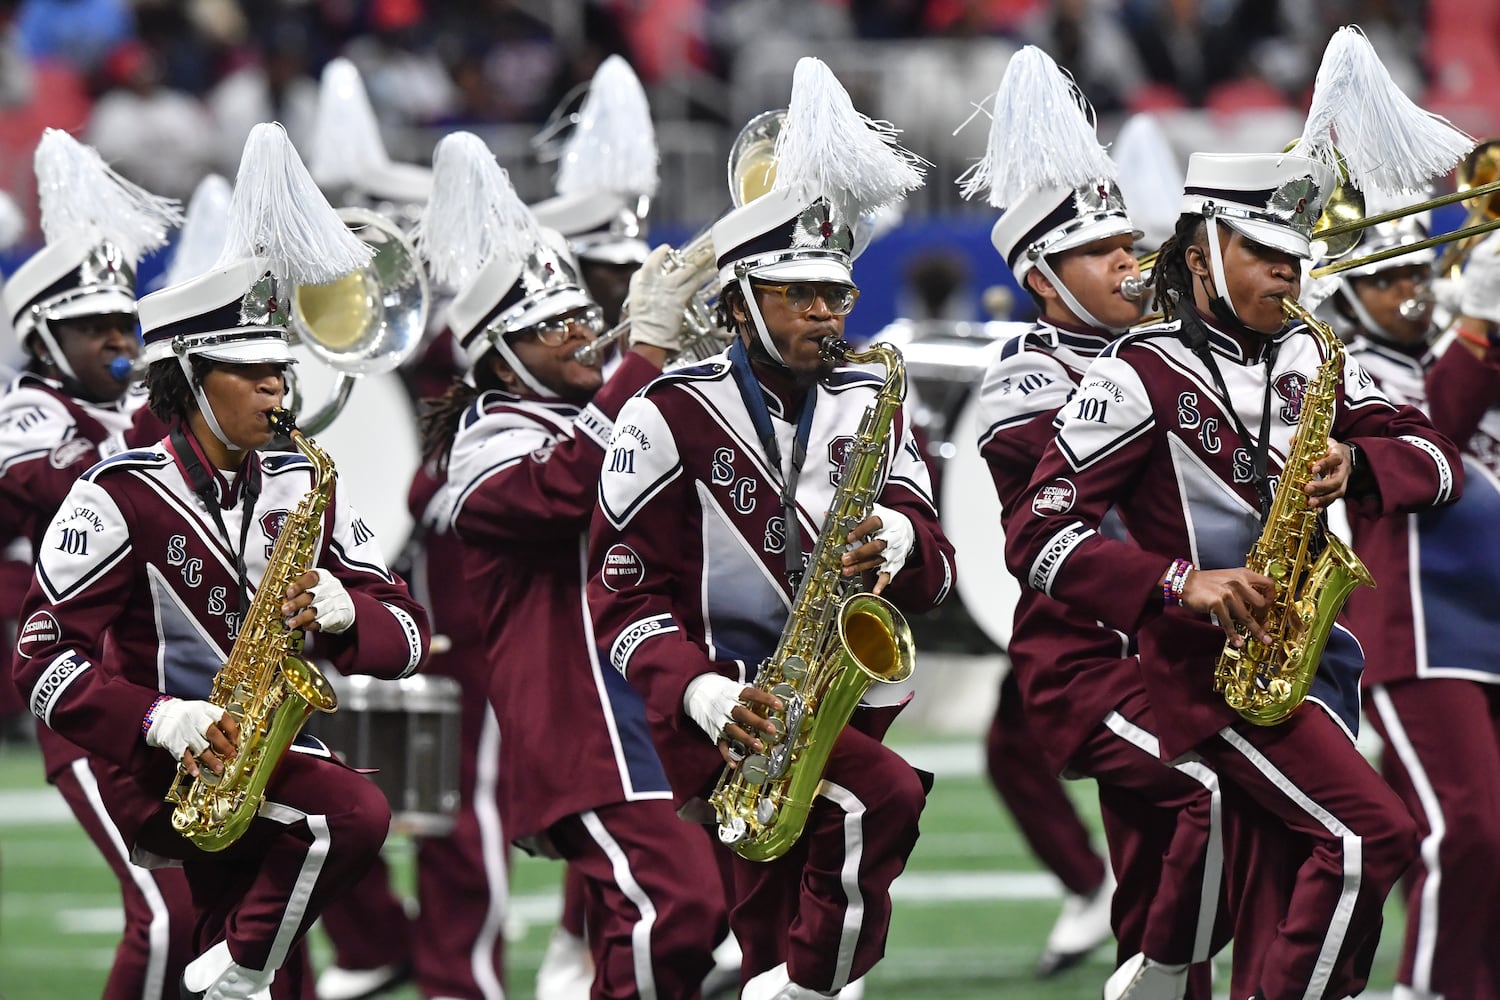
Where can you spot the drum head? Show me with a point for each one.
(971, 519)
(374, 444)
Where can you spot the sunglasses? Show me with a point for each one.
(799, 296)
(554, 332)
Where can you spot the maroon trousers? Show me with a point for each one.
(1358, 839)
(651, 926)
(1442, 756)
(1034, 795)
(824, 908)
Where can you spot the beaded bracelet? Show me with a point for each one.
(1174, 581)
(150, 716)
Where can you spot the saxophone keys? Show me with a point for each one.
(765, 812)
(755, 769)
(793, 667)
(732, 831)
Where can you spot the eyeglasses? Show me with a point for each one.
(799, 296)
(554, 332)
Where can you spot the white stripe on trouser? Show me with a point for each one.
(492, 845)
(1427, 909)
(640, 934)
(307, 878)
(160, 932)
(1353, 847)
(1213, 856)
(854, 849)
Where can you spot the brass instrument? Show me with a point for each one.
(832, 649)
(1479, 169)
(265, 687)
(752, 171)
(1314, 571)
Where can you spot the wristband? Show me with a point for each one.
(150, 717)
(1174, 581)
(1469, 336)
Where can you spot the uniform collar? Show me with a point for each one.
(1240, 346)
(1083, 340)
(227, 490)
(1417, 357)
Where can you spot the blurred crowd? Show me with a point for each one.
(167, 90)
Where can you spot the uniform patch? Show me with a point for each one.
(1291, 387)
(271, 523)
(70, 451)
(1057, 497)
(623, 568)
(39, 630)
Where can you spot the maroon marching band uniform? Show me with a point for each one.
(1430, 631)
(687, 559)
(1082, 694)
(523, 475)
(133, 598)
(1149, 434)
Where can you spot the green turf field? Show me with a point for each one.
(970, 919)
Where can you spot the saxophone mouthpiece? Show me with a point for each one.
(282, 421)
(834, 349)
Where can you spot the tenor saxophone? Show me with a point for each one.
(836, 643)
(265, 686)
(1313, 570)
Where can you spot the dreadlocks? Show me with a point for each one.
(1171, 281)
(440, 416)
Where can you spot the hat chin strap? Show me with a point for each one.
(522, 372)
(59, 360)
(759, 322)
(184, 361)
(1216, 266)
(1071, 301)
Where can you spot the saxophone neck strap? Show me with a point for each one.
(1260, 445)
(202, 483)
(754, 398)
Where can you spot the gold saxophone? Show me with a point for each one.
(1313, 570)
(832, 649)
(265, 687)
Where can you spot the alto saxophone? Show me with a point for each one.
(1313, 571)
(265, 687)
(836, 643)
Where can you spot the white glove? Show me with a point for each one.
(659, 294)
(1481, 282)
(899, 537)
(179, 725)
(709, 700)
(331, 603)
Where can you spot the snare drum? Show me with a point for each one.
(408, 729)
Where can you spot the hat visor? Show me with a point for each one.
(805, 269)
(1268, 234)
(99, 302)
(1091, 232)
(548, 305)
(628, 251)
(270, 349)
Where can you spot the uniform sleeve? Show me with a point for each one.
(41, 455)
(637, 557)
(927, 578)
(1414, 466)
(83, 577)
(522, 484)
(1461, 389)
(1053, 542)
(1021, 395)
(391, 633)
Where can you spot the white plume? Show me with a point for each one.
(203, 232)
(278, 213)
(1384, 140)
(12, 222)
(474, 213)
(346, 143)
(1041, 135)
(84, 201)
(1150, 177)
(828, 149)
(613, 146)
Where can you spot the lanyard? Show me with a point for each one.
(203, 485)
(754, 399)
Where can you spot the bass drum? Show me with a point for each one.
(374, 444)
(971, 518)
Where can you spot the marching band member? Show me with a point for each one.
(524, 444)
(145, 574)
(1209, 402)
(713, 489)
(73, 307)
(1428, 629)
(1077, 696)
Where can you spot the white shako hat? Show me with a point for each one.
(833, 166)
(203, 232)
(1044, 167)
(479, 238)
(1272, 199)
(607, 171)
(281, 233)
(1150, 177)
(348, 156)
(97, 227)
